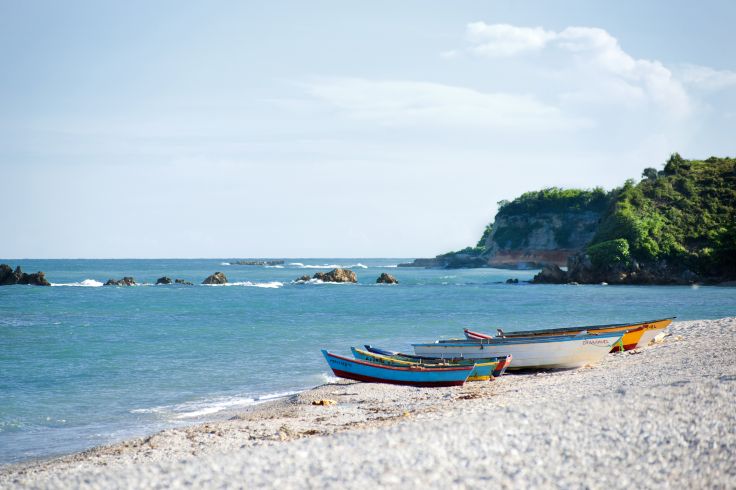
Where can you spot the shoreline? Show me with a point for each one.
(553, 428)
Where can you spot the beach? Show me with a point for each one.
(661, 416)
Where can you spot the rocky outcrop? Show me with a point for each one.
(385, 278)
(426, 263)
(164, 280)
(125, 281)
(452, 260)
(183, 282)
(337, 275)
(550, 274)
(512, 281)
(216, 278)
(9, 277)
(581, 270)
(304, 278)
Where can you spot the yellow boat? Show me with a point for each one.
(637, 334)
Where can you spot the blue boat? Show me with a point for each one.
(344, 367)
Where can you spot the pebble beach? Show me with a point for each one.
(656, 417)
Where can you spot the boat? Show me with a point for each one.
(552, 352)
(503, 361)
(358, 370)
(635, 335)
(482, 371)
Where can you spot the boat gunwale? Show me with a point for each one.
(480, 363)
(500, 341)
(429, 358)
(633, 326)
(396, 368)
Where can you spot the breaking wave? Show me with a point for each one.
(209, 406)
(270, 285)
(87, 283)
(224, 263)
(299, 265)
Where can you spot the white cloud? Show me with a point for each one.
(411, 103)
(707, 78)
(595, 50)
(506, 40)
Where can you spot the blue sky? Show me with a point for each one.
(336, 129)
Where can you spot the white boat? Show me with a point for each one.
(563, 352)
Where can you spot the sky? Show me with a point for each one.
(337, 129)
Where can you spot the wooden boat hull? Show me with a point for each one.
(501, 366)
(358, 370)
(635, 335)
(558, 352)
(481, 370)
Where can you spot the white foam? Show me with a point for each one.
(319, 281)
(224, 263)
(268, 285)
(328, 266)
(87, 283)
(327, 378)
(274, 266)
(202, 408)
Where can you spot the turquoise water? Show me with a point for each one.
(82, 366)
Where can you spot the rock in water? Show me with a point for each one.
(8, 277)
(386, 279)
(337, 275)
(550, 274)
(303, 278)
(216, 278)
(182, 281)
(37, 279)
(126, 281)
(164, 280)
(512, 281)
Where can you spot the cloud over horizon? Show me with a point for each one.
(592, 51)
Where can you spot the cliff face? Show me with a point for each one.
(676, 226)
(533, 239)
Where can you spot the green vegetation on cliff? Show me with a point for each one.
(555, 200)
(684, 215)
(676, 225)
(536, 207)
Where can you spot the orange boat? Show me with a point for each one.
(637, 334)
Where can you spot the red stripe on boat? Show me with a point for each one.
(369, 379)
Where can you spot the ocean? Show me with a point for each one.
(83, 365)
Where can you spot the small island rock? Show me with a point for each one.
(164, 280)
(304, 278)
(182, 281)
(337, 275)
(512, 281)
(125, 281)
(8, 277)
(550, 274)
(385, 278)
(216, 278)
